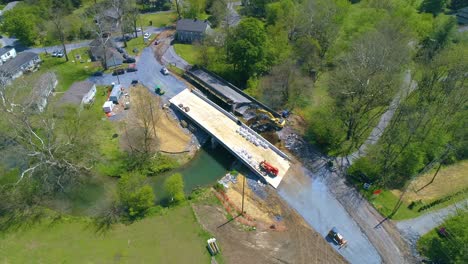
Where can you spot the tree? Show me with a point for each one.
(457, 4)
(132, 16)
(58, 20)
(100, 28)
(219, 12)
(366, 80)
(434, 7)
(121, 9)
(449, 244)
(246, 48)
(135, 196)
(21, 24)
(174, 187)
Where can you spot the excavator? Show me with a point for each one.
(265, 121)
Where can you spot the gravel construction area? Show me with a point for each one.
(297, 243)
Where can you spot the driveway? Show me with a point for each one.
(171, 57)
(233, 16)
(413, 229)
(148, 74)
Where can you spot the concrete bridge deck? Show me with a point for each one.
(223, 126)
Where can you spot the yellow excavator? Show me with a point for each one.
(266, 121)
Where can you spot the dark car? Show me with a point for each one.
(98, 73)
(156, 42)
(121, 50)
(132, 69)
(134, 82)
(164, 71)
(129, 60)
(118, 72)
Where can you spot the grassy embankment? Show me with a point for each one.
(174, 237)
(449, 187)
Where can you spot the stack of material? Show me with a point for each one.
(245, 133)
(213, 246)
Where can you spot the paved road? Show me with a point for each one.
(148, 74)
(310, 196)
(171, 57)
(413, 229)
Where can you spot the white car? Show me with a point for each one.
(138, 29)
(164, 71)
(147, 35)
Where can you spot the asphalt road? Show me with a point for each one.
(310, 196)
(233, 17)
(148, 74)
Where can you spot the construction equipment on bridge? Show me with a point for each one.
(265, 121)
(337, 237)
(268, 168)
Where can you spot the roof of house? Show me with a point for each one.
(10, 5)
(75, 94)
(14, 65)
(97, 43)
(5, 49)
(194, 25)
(43, 86)
(462, 15)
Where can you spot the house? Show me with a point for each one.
(113, 57)
(190, 30)
(7, 53)
(462, 16)
(80, 93)
(9, 6)
(14, 68)
(41, 91)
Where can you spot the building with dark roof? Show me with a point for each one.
(7, 53)
(79, 93)
(14, 68)
(190, 30)
(113, 57)
(462, 16)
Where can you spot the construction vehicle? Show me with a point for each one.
(159, 91)
(264, 121)
(269, 169)
(337, 237)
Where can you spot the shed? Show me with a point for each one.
(79, 93)
(116, 93)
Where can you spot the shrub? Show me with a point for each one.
(174, 187)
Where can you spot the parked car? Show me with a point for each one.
(134, 82)
(129, 60)
(164, 71)
(156, 42)
(98, 73)
(139, 29)
(118, 72)
(60, 54)
(132, 69)
(146, 35)
(121, 50)
(54, 53)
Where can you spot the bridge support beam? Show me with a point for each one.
(214, 142)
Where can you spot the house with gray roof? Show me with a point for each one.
(462, 16)
(113, 57)
(23, 62)
(9, 6)
(80, 93)
(190, 30)
(41, 91)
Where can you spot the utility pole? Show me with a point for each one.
(243, 192)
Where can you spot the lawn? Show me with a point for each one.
(138, 43)
(175, 237)
(187, 52)
(163, 19)
(71, 71)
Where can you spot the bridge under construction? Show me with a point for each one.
(244, 143)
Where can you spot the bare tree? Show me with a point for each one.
(55, 159)
(100, 28)
(140, 130)
(57, 18)
(122, 9)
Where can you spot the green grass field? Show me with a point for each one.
(158, 19)
(187, 52)
(175, 237)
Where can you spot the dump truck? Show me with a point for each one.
(268, 168)
(337, 237)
